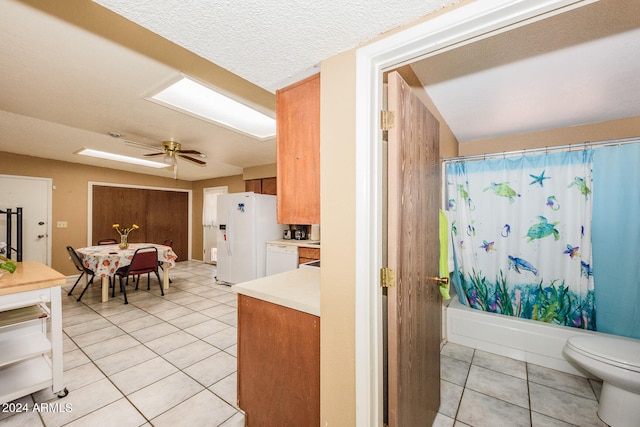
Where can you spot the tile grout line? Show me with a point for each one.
(158, 355)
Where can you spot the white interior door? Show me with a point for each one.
(33, 195)
(210, 222)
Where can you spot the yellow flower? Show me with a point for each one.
(115, 226)
(134, 227)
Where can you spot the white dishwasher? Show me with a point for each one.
(281, 258)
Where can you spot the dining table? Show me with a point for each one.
(104, 260)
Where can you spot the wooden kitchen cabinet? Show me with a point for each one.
(308, 255)
(261, 186)
(298, 152)
(278, 364)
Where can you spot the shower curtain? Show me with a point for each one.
(521, 236)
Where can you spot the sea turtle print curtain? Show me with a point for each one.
(521, 236)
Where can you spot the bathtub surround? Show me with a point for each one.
(521, 339)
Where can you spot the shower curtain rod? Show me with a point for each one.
(568, 147)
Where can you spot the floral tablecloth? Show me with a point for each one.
(104, 260)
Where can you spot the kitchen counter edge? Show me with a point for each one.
(298, 243)
(296, 289)
(30, 276)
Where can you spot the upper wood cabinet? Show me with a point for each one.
(261, 186)
(298, 152)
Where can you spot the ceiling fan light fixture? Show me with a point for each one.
(194, 98)
(169, 159)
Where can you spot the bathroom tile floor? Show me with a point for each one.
(171, 361)
(481, 389)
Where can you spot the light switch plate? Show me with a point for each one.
(61, 224)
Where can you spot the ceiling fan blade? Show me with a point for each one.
(143, 146)
(154, 154)
(200, 162)
(190, 152)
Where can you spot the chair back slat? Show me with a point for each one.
(76, 259)
(145, 260)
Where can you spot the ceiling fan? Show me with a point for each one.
(171, 150)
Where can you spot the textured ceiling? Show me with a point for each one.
(271, 43)
(73, 71)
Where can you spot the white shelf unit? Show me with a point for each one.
(29, 360)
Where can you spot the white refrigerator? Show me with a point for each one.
(246, 221)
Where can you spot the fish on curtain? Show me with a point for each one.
(521, 233)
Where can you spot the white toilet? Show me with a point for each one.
(616, 361)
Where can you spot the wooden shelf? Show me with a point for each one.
(20, 315)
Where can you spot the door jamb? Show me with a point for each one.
(464, 25)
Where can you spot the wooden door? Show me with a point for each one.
(414, 306)
(161, 215)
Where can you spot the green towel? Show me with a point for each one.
(444, 254)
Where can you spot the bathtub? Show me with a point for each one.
(527, 340)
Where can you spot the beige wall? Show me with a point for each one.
(259, 172)
(615, 129)
(337, 216)
(70, 198)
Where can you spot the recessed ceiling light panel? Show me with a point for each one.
(120, 158)
(191, 97)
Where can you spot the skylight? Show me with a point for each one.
(191, 97)
(120, 158)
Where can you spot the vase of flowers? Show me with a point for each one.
(124, 234)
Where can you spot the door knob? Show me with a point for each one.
(40, 236)
(441, 280)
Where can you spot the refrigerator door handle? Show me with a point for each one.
(229, 233)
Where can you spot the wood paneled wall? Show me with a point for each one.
(161, 215)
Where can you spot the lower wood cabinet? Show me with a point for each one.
(278, 365)
(308, 255)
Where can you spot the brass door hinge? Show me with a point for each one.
(387, 278)
(387, 120)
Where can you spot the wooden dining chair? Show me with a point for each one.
(82, 269)
(145, 260)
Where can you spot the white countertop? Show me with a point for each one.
(297, 289)
(299, 243)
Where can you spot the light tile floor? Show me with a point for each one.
(162, 361)
(171, 361)
(481, 389)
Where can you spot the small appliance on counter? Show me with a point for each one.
(296, 232)
(300, 234)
